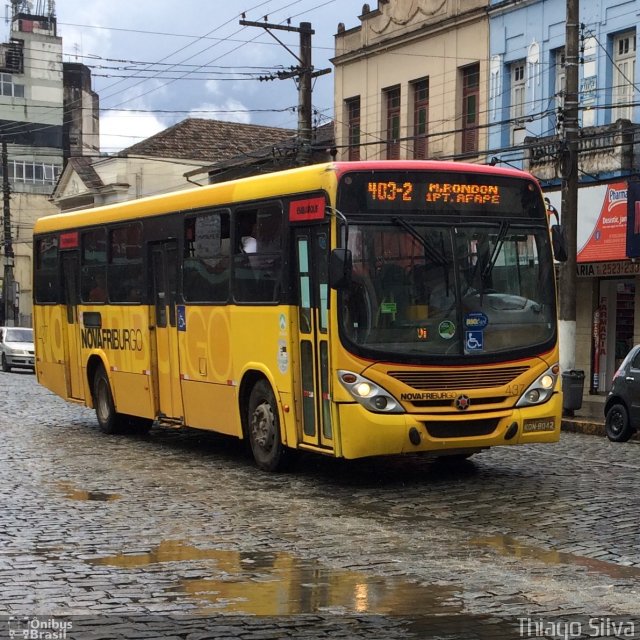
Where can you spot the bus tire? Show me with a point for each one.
(108, 420)
(263, 425)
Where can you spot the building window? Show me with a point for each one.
(353, 127)
(589, 83)
(420, 118)
(518, 92)
(32, 172)
(470, 115)
(559, 80)
(624, 69)
(9, 88)
(392, 132)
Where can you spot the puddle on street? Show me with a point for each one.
(507, 545)
(73, 493)
(276, 583)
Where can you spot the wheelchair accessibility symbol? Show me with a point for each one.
(474, 340)
(182, 318)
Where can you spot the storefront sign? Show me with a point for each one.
(633, 220)
(609, 236)
(602, 222)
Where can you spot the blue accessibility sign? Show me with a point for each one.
(474, 340)
(182, 318)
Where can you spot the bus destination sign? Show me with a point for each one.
(434, 192)
(467, 193)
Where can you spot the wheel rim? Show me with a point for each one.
(102, 401)
(263, 426)
(616, 422)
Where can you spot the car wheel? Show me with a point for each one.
(617, 424)
(263, 426)
(5, 364)
(108, 420)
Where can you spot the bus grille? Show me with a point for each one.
(468, 428)
(478, 403)
(477, 379)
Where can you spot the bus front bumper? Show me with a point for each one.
(370, 434)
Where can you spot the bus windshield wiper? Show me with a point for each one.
(432, 252)
(497, 247)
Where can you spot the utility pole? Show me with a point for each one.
(304, 74)
(569, 164)
(7, 283)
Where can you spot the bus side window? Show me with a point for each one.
(47, 277)
(93, 269)
(124, 280)
(206, 267)
(258, 256)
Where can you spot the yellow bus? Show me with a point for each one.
(350, 309)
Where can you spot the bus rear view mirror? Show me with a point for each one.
(559, 243)
(340, 267)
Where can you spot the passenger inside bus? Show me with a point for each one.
(98, 292)
(248, 242)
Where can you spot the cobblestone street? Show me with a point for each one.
(177, 534)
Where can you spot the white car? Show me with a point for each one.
(16, 348)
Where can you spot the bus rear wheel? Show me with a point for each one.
(263, 426)
(108, 420)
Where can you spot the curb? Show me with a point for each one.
(577, 425)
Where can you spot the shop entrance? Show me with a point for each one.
(612, 330)
(625, 295)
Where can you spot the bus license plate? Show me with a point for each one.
(539, 425)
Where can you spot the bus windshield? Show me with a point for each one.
(421, 290)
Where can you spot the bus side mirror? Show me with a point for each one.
(559, 243)
(340, 267)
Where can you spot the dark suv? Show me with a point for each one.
(622, 409)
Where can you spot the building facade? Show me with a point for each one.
(526, 100)
(40, 129)
(410, 81)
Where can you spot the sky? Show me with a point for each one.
(157, 62)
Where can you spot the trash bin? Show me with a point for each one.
(572, 390)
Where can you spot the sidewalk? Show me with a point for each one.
(589, 418)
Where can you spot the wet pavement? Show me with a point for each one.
(177, 535)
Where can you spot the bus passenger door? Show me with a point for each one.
(166, 368)
(312, 393)
(72, 328)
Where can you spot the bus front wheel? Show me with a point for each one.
(264, 429)
(108, 420)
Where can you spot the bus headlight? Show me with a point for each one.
(370, 395)
(541, 390)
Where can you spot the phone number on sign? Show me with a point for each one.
(588, 269)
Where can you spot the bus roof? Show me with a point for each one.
(270, 185)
